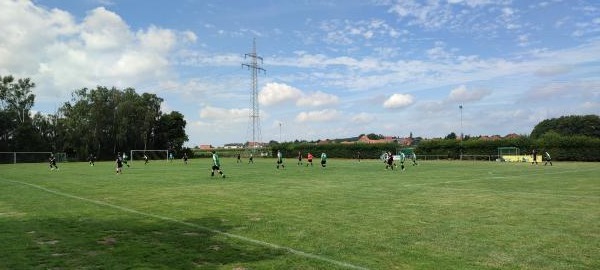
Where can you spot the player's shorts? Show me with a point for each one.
(215, 167)
(323, 162)
(390, 162)
(279, 162)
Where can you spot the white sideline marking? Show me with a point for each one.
(239, 237)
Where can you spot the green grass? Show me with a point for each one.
(439, 214)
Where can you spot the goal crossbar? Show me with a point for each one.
(149, 151)
(14, 154)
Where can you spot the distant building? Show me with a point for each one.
(498, 137)
(386, 139)
(233, 146)
(206, 147)
(326, 141)
(255, 144)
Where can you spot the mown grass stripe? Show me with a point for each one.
(239, 237)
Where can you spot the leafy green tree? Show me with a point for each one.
(105, 121)
(586, 125)
(451, 136)
(16, 101)
(171, 131)
(373, 136)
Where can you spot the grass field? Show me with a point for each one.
(350, 215)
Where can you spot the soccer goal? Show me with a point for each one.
(23, 157)
(152, 155)
(511, 154)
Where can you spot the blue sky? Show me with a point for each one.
(333, 68)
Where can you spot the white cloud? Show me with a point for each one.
(363, 118)
(104, 30)
(591, 106)
(275, 93)
(61, 54)
(456, 15)
(318, 116)
(229, 115)
(581, 90)
(317, 99)
(398, 101)
(438, 52)
(190, 36)
(461, 94)
(165, 108)
(552, 70)
(523, 40)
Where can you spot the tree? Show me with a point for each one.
(99, 121)
(105, 121)
(171, 131)
(586, 125)
(16, 101)
(451, 136)
(373, 136)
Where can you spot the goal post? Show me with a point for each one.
(24, 157)
(152, 155)
(511, 154)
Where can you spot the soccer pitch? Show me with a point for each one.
(350, 215)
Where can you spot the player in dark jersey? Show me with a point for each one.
(52, 162)
(119, 163)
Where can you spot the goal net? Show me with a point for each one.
(138, 155)
(23, 157)
(511, 154)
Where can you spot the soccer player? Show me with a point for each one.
(299, 158)
(91, 159)
(309, 158)
(125, 159)
(389, 161)
(185, 158)
(52, 161)
(413, 157)
(170, 157)
(280, 160)
(145, 159)
(323, 160)
(216, 167)
(251, 159)
(358, 156)
(239, 158)
(402, 158)
(534, 155)
(119, 163)
(547, 158)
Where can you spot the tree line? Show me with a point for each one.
(100, 122)
(567, 138)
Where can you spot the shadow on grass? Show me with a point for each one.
(123, 244)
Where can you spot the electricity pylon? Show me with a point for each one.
(254, 66)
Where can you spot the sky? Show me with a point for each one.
(333, 68)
